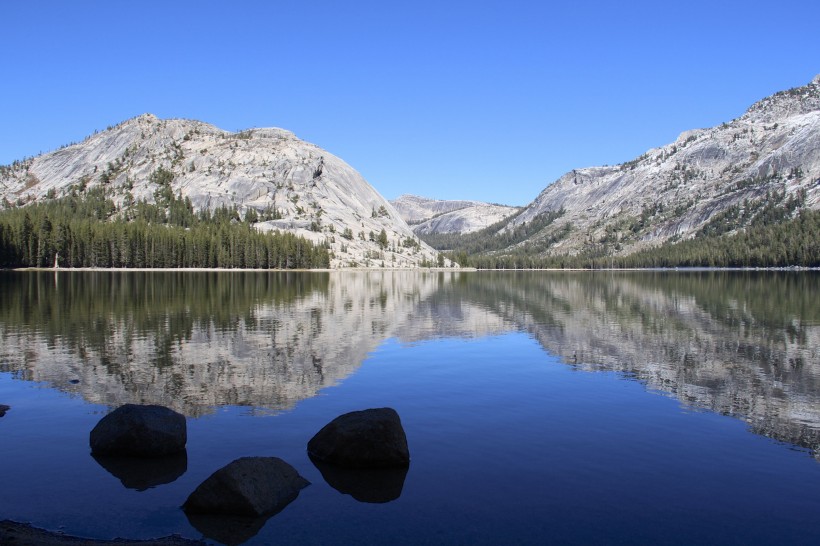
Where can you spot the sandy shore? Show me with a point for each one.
(21, 534)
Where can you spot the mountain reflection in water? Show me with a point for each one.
(745, 344)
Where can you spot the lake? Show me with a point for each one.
(566, 407)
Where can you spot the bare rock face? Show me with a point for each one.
(372, 438)
(442, 216)
(414, 208)
(249, 486)
(139, 431)
(466, 220)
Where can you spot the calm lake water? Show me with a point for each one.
(540, 407)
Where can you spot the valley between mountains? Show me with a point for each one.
(712, 192)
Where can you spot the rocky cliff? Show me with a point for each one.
(315, 194)
(770, 154)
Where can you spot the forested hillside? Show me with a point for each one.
(773, 243)
(85, 229)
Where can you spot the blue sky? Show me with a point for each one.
(480, 100)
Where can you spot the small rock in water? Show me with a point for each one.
(3, 409)
(139, 431)
(249, 486)
(372, 438)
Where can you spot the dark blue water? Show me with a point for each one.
(511, 440)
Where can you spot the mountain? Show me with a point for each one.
(309, 191)
(440, 216)
(711, 181)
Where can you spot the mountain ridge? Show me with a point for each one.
(311, 192)
(426, 215)
(672, 192)
(716, 180)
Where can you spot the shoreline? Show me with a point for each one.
(12, 532)
(794, 268)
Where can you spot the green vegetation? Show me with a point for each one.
(492, 239)
(84, 229)
(767, 232)
(794, 242)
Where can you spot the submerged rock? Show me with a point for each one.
(139, 431)
(3, 409)
(250, 486)
(372, 438)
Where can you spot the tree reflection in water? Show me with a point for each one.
(744, 344)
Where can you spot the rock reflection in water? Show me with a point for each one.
(228, 530)
(143, 474)
(373, 485)
(745, 344)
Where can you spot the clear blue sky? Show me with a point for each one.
(488, 100)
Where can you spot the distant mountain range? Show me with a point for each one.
(311, 192)
(716, 181)
(439, 216)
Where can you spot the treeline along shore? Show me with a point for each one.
(86, 230)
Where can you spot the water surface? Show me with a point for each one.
(659, 407)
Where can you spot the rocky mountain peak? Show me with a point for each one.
(797, 100)
(307, 190)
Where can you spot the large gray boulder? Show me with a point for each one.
(372, 438)
(250, 486)
(139, 431)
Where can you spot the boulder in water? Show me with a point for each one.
(139, 431)
(372, 438)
